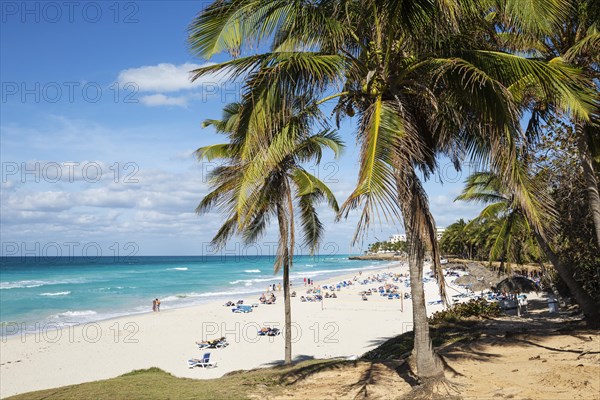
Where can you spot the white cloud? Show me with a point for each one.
(166, 77)
(155, 100)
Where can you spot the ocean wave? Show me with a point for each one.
(207, 294)
(252, 271)
(84, 313)
(255, 280)
(178, 269)
(56, 294)
(26, 284)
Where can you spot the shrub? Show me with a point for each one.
(479, 308)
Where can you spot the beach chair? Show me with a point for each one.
(219, 343)
(203, 345)
(274, 332)
(242, 309)
(203, 362)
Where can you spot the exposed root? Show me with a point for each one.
(437, 388)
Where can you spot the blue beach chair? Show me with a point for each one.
(203, 362)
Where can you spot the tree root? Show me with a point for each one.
(435, 388)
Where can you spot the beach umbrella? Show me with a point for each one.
(517, 284)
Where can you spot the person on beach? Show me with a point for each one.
(279, 287)
(273, 287)
(304, 281)
(157, 305)
(154, 305)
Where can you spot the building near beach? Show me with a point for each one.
(399, 237)
(439, 232)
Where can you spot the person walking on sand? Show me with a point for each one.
(157, 305)
(154, 305)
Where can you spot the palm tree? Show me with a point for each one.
(510, 232)
(252, 186)
(418, 87)
(487, 188)
(455, 240)
(573, 35)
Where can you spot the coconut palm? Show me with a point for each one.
(251, 187)
(510, 232)
(455, 240)
(513, 232)
(573, 36)
(418, 87)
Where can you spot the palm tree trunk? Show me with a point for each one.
(288, 313)
(589, 174)
(286, 280)
(585, 301)
(416, 216)
(284, 254)
(428, 363)
(546, 274)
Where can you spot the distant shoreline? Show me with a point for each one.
(379, 257)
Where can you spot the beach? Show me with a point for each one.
(345, 326)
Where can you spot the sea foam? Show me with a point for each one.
(56, 294)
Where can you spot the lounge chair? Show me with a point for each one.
(274, 332)
(242, 309)
(203, 362)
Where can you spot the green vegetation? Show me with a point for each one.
(397, 246)
(502, 232)
(155, 383)
(478, 308)
(423, 79)
(262, 179)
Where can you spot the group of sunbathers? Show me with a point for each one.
(264, 300)
(231, 303)
(213, 344)
(269, 331)
(316, 297)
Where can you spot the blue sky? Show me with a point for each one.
(98, 123)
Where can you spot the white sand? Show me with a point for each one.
(344, 327)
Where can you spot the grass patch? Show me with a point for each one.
(154, 383)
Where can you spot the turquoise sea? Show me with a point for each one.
(66, 290)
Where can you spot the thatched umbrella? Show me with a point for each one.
(517, 284)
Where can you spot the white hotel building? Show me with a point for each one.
(401, 237)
